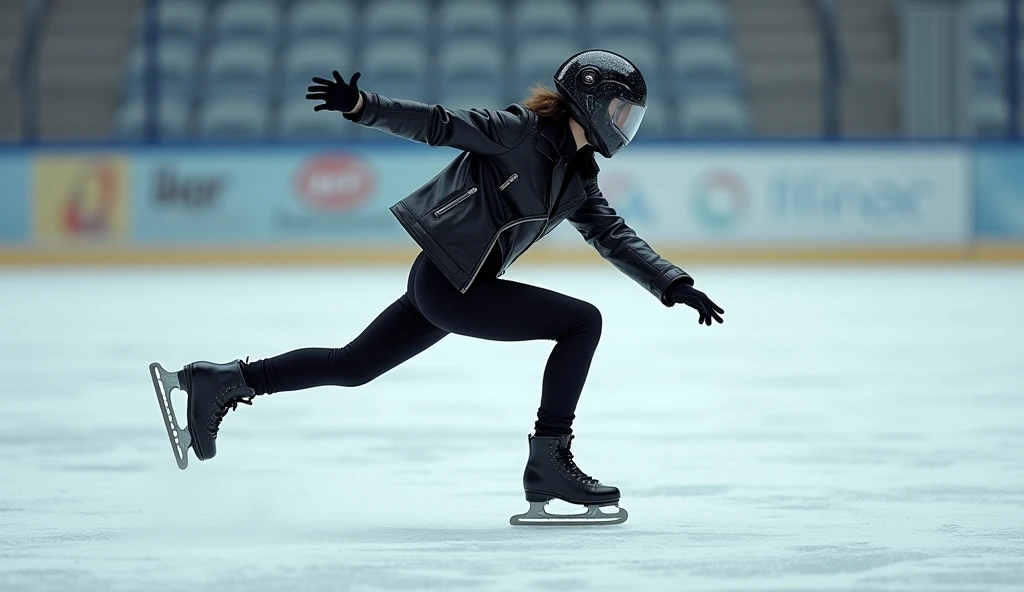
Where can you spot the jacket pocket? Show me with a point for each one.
(441, 211)
(509, 181)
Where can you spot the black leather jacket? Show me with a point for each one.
(504, 190)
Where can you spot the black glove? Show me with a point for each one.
(336, 95)
(683, 293)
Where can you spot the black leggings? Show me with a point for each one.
(493, 309)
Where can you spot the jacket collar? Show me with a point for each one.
(556, 141)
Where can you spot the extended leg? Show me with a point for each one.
(396, 335)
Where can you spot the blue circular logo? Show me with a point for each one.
(719, 200)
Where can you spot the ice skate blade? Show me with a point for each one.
(537, 515)
(164, 382)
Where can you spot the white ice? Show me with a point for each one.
(846, 429)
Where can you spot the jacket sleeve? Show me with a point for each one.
(482, 131)
(607, 232)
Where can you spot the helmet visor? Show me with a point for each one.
(626, 117)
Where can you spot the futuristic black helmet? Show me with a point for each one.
(607, 95)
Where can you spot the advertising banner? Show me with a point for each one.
(276, 195)
(999, 190)
(14, 198)
(783, 196)
(80, 199)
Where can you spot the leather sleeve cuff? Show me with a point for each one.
(659, 287)
(371, 105)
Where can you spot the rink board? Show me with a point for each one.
(288, 204)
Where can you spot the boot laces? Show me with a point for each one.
(231, 406)
(574, 471)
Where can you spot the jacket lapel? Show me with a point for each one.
(556, 142)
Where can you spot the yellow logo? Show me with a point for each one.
(81, 198)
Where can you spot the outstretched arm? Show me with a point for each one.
(483, 131)
(607, 232)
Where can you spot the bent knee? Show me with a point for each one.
(588, 322)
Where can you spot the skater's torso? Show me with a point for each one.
(519, 176)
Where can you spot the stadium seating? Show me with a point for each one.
(462, 53)
(234, 119)
(471, 20)
(238, 69)
(714, 116)
(989, 116)
(181, 21)
(988, 56)
(406, 20)
(694, 19)
(247, 20)
(321, 20)
(704, 67)
(175, 67)
(537, 62)
(612, 20)
(545, 20)
(306, 59)
(396, 69)
(467, 65)
(172, 119)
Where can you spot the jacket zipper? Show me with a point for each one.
(443, 209)
(509, 181)
(491, 246)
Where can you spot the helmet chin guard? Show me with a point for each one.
(606, 94)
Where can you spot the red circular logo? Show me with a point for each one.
(335, 182)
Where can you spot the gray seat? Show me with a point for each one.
(465, 66)
(644, 55)
(709, 116)
(538, 61)
(694, 19)
(248, 20)
(615, 19)
(298, 120)
(987, 72)
(989, 116)
(552, 20)
(471, 20)
(397, 70)
(314, 58)
(333, 20)
(988, 20)
(175, 66)
(406, 20)
(172, 119)
(180, 21)
(238, 69)
(701, 67)
(234, 119)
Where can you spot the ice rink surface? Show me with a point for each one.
(846, 429)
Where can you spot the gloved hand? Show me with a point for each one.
(336, 95)
(683, 293)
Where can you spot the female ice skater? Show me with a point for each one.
(522, 171)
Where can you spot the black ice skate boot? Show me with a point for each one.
(551, 473)
(213, 390)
